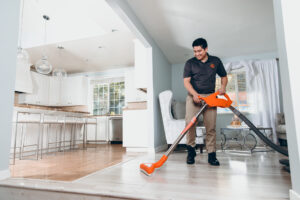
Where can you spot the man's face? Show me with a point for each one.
(199, 52)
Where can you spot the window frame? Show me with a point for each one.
(236, 87)
(108, 82)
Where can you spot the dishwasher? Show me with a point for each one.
(115, 129)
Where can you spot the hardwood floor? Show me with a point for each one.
(71, 165)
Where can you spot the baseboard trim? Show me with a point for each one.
(4, 174)
(147, 149)
(137, 149)
(294, 195)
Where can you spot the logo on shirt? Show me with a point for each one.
(212, 65)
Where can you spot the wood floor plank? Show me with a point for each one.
(71, 165)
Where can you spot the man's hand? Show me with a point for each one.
(196, 98)
(224, 81)
(222, 91)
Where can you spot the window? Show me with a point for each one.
(237, 91)
(117, 98)
(109, 98)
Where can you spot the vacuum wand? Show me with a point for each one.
(148, 168)
(193, 121)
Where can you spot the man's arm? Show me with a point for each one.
(190, 89)
(224, 82)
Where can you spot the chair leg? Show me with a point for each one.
(15, 142)
(22, 143)
(40, 140)
(48, 138)
(96, 135)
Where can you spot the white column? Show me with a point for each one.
(9, 22)
(287, 17)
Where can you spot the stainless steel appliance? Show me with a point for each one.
(115, 129)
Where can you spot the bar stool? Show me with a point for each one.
(73, 122)
(57, 121)
(79, 124)
(22, 119)
(64, 122)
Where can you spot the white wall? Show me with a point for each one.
(131, 93)
(159, 74)
(287, 17)
(9, 22)
(162, 71)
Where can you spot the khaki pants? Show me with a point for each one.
(209, 117)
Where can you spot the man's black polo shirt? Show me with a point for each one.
(203, 75)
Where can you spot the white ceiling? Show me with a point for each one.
(81, 27)
(232, 27)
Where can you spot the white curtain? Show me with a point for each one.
(262, 91)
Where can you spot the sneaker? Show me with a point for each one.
(284, 162)
(212, 160)
(191, 155)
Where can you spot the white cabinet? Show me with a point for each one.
(135, 128)
(102, 129)
(54, 91)
(23, 77)
(142, 64)
(74, 91)
(39, 95)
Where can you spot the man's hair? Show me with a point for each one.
(200, 42)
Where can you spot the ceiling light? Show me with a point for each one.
(114, 30)
(22, 55)
(43, 66)
(59, 72)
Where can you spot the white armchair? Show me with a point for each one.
(173, 127)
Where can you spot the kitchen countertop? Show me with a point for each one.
(51, 108)
(71, 109)
(139, 105)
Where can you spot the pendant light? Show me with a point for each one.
(43, 66)
(59, 72)
(22, 55)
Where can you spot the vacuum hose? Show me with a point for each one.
(258, 133)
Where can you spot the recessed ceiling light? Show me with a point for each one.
(100, 47)
(114, 30)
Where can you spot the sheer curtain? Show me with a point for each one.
(262, 91)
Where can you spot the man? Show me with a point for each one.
(199, 80)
